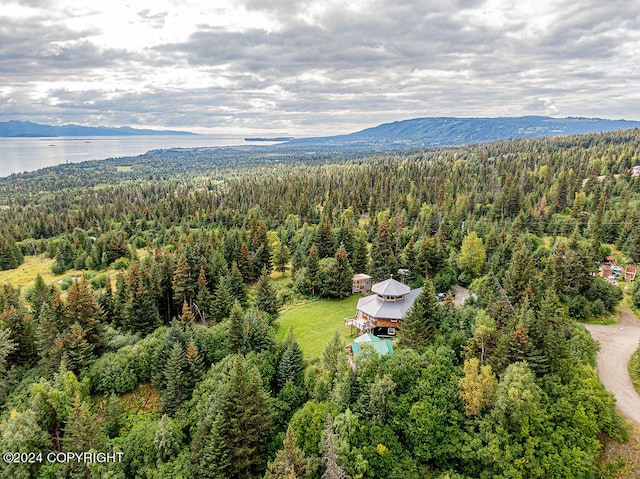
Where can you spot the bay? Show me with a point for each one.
(29, 154)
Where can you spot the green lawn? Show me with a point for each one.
(314, 323)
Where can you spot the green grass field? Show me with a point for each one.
(314, 323)
(24, 275)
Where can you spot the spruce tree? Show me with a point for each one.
(313, 267)
(83, 309)
(222, 300)
(383, 259)
(291, 365)
(203, 297)
(236, 285)
(236, 329)
(141, 313)
(232, 439)
(174, 373)
(419, 326)
(244, 263)
(195, 365)
(38, 294)
(266, 298)
(182, 290)
(290, 462)
(340, 275)
(324, 239)
(46, 332)
(281, 257)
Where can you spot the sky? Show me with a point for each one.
(314, 67)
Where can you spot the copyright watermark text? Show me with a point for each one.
(61, 457)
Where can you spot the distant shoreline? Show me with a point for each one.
(277, 138)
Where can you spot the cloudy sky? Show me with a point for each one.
(315, 66)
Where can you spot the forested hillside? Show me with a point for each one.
(164, 348)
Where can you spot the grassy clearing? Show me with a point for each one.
(314, 323)
(24, 275)
(124, 169)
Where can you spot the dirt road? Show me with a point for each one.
(617, 344)
(460, 294)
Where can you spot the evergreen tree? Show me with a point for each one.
(324, 239)
(236, 330)
(82, 431)
(174, 373)
(635, 293)
(222, 300)
(340, 275)
(182, 290)
(520, 274)
(291, 365)
(83, 309)
(46, 332)
(419, 326)
(260, 247)
(106, 303)
(236, 285)
(244, 263)
(140, 312)
(383, 259)
(7, 346)
(38, 294)
(358, 257)
(167, 440)
(20, 333)
(119, 302)
(290, 462)
(313, 267)
(74, 349)
(281, 257)
(232, 439)
(10, 254)
(203, 297)
(195, 365)
(266, 298)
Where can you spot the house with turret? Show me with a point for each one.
(382, 312)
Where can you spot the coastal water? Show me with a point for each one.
(28, 154)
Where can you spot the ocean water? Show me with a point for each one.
(29, 154)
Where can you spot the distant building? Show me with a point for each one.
(382, 312)
(635, 171)
(630, 274)
(361, 283)
(606, 271)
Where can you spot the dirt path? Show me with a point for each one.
(617, 343)
(460, 294)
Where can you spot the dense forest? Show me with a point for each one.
(163, 348)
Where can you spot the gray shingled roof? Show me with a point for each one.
(373, 306)
(391, 287)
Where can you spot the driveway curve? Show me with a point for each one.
(618, 342)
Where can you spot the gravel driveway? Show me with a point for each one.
(617, 343)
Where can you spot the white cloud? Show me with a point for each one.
(316, 66)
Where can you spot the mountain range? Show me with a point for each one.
(15, 129)
(448, 131)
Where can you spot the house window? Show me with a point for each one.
(391, 331)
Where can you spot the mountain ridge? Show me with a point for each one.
(453, 131)
(28, 129)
